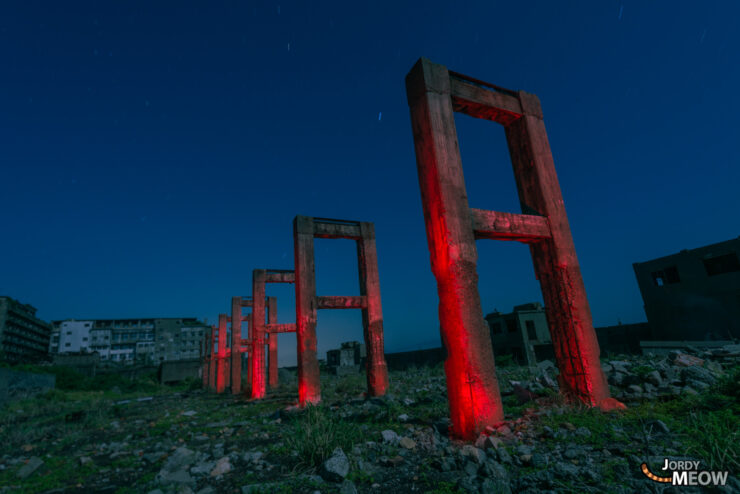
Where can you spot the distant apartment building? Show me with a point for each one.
(694, 294)
(70, 337)
(23, 336)
(522, 333)
(146, 341)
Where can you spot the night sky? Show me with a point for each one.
(152, 154)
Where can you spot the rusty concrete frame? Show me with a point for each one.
(434, 94)
(305, 229)
(266, 332)
(247, 344)
(223, 354)
(206, 353)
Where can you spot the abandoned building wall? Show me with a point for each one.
(520, 333)
(23, 336)
(178, 370)
(623, 338)
(694, 294)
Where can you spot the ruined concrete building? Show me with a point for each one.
(522, 333)
(23, 336)
(693, 294)
(128, 341)
(349, 358)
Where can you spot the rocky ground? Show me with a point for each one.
(184, 440)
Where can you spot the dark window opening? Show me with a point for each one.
(496, 328)
(511, 325)
(727, 263)
(531, 333)
(667, 276)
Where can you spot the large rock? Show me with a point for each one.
(489, 486)
(696, 373)
(654, 378)
(336, 468)
(686, 360)
(31, 466)
(475, 454)
(176, 477)
(182, 457)
(347, 487)
(222, 466)
(390, 437)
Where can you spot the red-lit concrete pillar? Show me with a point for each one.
(221, 374)
(249, 350)
(309, 388)
(257, 355)
(272, 339)
(372, 316)
(206, 358)
(555, 260)
(236, 344)
(212, 359)
(472, 387)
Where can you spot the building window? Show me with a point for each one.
(531, 333)
(727, 263)
(67, 344)
(511, 325)
(666, 276)
(496, 327)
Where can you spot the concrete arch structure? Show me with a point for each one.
(305, 229)
(434, 94)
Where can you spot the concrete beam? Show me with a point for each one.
(334, 230)
(281, 328)
(342, 302)
(524, 228)
(280, 276)
(478, 102)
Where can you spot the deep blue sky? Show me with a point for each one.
(152, 155)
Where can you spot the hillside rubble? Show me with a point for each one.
(191, 441)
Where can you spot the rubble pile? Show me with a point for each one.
(196, 442)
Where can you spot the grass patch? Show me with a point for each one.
(708, 424)
(317, 432)
(445, 488)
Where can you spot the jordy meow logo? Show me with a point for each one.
(685, 472)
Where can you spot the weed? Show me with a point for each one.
(317, 433)
(446, 488)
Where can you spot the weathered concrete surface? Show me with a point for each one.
(475, 401)
(257, 357)
(272, 341)
(221, 363)
(434, 94)
(20, 384)
(305, 229)
(236, 344)
(178, 370)
(309, 390)
(212, 359)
